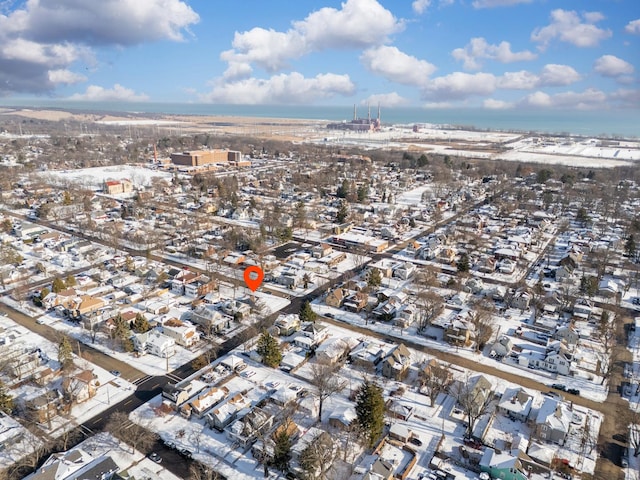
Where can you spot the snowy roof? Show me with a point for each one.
(516, 400)
(555, 414)
(500, 461)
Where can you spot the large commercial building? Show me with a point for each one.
(197, 158)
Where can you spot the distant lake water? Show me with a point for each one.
(622, 123)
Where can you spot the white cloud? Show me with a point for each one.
(626, 97)
(537, 99)
(118, 93)
(397, 66)
(588, 99)
(292, 88)
(459, 85)
(40, 40)
(386, 100)
(558, 75)
(633, 27)
(567, 26)
(438, 105)
(420, 6)
(522, 80)
(478, 49)
(497, 3)
(63, 76)
(358, 24)
(612, 66)
(551, 75)
(493, 104)
(119, 22)
(237, 70)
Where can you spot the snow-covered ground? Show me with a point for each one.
(512, 319)
(110, 389)
(257, 383)
(96, 176)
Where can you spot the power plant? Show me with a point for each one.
(358, 124)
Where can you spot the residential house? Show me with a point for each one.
(11, 432)
(310, 336)
(44, 407)
(332, 351)
(210, 318)
(567, 334)
(336, 297)
(178, 394)
(287, 324)
(515, 403)
(564, 272)
(520, 300)
(557, 359)
(79, 387)
(355, 302)
(396, 364)
(405, 270)
(155, 343)
(502, 465)
(184, 333)
(227, 411)
(553, 421)
(398, 409)
(246, 430)
(367, 355)
(458, 330)
(205, 400)
(342, 417)
(503, 346)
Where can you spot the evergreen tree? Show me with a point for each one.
(363, 192)
(57, 285)
(65, 352)
(423, 161)
(306, 312)
(463, 263)
(374, 278)
(269, 350)
(630, 246)
(70, 281)
(343, 212)
(370, 411)
(582, 216)
(140, 324)
(44, 292)
(343, 190)
(282, 449)
(6, 401)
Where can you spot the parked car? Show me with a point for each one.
(169, 444)
(115, 373)
(154, 457)
(416, 441)
(559, 386)
(573, 391)
(186, 453)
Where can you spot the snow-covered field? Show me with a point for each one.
(95, 177)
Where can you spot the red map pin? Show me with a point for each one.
(253, 277)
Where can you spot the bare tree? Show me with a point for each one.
(473, 398)
(605, 333)
(430, 304)
(138, 436)
(197, 471)
(482, 318)
(318, 457)
(326, 383)
(435, 377)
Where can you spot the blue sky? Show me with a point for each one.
(495, 54)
